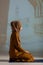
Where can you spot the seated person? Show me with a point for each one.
(16, 52)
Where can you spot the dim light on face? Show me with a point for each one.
(21, 28)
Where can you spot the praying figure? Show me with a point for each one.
(16, 52)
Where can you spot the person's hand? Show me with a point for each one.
(27, 51)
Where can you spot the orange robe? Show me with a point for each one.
(16, 51)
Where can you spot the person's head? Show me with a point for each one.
(16, 26)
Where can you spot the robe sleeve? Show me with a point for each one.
(17, 45)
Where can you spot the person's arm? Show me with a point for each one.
(17, 45)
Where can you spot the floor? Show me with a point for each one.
(4, 61)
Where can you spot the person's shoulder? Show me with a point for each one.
(16, 33)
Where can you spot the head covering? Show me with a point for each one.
(16, 25)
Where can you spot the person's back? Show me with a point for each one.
(13, 51)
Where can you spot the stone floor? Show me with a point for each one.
(4, 61)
